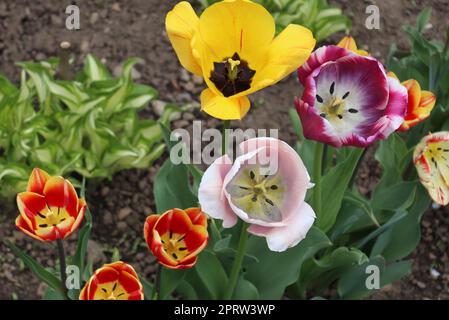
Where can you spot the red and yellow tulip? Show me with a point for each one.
(50, 208)
(115, 281)
(431, 158)
(177, 236)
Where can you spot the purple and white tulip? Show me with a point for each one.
(348, 99)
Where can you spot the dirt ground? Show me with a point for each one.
(115, 30)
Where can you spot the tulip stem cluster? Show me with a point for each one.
(237, 265)
(317, 168)
(63, 267)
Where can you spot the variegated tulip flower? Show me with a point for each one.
(348, 99)
(420, 103)
(265, 187)
(50, 208)
(114, 281)
(431, 158)
(177, 236)
(349, 43)
(232, 45)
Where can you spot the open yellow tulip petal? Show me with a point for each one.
(224, 108)
(181, 24)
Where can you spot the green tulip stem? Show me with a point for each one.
(157, 284)
(317, 168)
(63, 267)
(237, 265)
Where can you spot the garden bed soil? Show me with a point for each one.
(116, 30)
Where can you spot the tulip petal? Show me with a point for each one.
(196, 240)
(232, 108)
(320, 57)
(210, 193)
(59, 192)
(182, 24)
(242, 27)
(37, 181)
(23, 226)
(288, 51)
(349, 43)
(148, 228)
(197, 216)
(281, 238)
(30, 205)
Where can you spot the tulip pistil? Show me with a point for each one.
(261, 196)
(112, 291)
(51, 217)
(334, 107)
(232, 75)
(174, 245)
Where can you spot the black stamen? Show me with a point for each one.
(332, 88)
(41, 215)
(183, 249)
(58, 210)
(63, 219)
(269, 201)
(244, 188)
(352, 110)
(114, 287)
(44, 225)
(446, 150)
(254, 199)
(340, 116)
(252, 175)
(104, 290)
(320, 100)
(174, 256)
(323, 115)
(171, 234)
(121, 294)
(274, 187)
(345, 95)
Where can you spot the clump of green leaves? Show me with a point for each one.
(89, 125)
(352, 236)
(428, 63)
(317, 15)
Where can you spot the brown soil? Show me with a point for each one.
(116, 30)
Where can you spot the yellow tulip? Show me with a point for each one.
(232, 45)
(349, 43)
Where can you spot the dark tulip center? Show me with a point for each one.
(232, 75)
